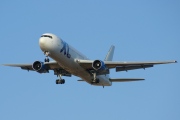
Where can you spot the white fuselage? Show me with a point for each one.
(66, 56)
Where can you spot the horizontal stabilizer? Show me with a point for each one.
(125, 79)
(81, 80)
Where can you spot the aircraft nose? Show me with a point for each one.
(46, 44)
(42, 43)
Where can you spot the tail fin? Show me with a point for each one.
(110, 54)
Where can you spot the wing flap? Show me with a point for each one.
(125, 79)
(126, 68)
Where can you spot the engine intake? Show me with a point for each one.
(39, 67)
(100, 67)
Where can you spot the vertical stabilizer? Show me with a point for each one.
(110, 54)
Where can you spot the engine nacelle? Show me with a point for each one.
(99, 66)
(39, 67)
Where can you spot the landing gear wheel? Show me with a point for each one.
(62, 81)
(95, 81)
(58, 81)
(46, 60)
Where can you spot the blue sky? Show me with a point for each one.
(141, 31)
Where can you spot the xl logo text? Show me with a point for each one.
(65, 49)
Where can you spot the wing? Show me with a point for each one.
(123, 66)
(52, 65)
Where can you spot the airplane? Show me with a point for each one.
(67, 61)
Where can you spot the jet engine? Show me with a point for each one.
(99, 66)
(39, 67)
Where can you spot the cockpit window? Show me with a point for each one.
(47, 36)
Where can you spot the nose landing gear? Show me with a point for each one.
(47, 56)
(46, 59)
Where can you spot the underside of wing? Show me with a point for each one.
(86, 64)
(42, 67)
(50, 65)
(123, 66)
(22, 66)
(125, 79)
(114, 64)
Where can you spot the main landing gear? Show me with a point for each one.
(47, 56)
(95, 80)
(60, 80)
